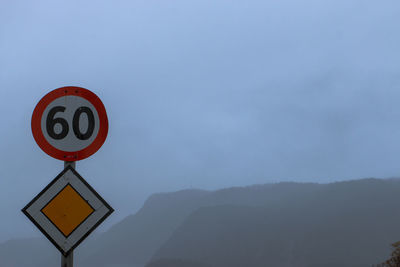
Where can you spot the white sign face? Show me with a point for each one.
(67, 210)
(70, 123)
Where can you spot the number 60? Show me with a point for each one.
(51, 122)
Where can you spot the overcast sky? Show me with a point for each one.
(202, 94)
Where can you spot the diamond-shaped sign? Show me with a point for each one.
(67, 210)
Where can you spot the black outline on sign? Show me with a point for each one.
(70, 185)
(66, 253)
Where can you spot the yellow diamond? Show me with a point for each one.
(67, 210)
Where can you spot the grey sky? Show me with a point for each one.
(204, 93)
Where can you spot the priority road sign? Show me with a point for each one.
(70, 123)
(67, 210)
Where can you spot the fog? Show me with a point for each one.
(202, 94)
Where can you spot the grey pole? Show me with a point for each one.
(69, 260)
(69, 163)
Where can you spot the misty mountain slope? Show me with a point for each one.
(28, 253)
(142, 233)
(341, 224)
(137, 238)
(33, 252)
(310, 224)
(176, 263)
(260, 195)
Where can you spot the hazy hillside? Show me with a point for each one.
(286, 224)
(163, 213)
(27, 253)
(136, 238)
(176, 263)
(341, 224)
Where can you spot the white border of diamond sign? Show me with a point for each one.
(71, 177)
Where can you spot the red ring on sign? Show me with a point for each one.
(66, 155)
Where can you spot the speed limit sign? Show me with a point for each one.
(70, 123)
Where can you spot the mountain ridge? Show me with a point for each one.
(151, 235)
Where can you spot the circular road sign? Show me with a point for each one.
(70, 123)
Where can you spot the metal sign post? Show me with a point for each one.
(68, 261)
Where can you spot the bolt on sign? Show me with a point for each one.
(69, 124)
